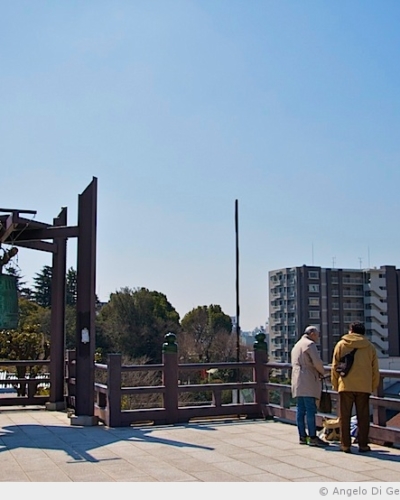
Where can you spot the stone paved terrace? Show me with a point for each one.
(37, 445)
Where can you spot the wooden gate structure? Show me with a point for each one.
(20, 231)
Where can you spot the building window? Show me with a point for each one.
(314, 314)
(313, 301)
(313, 288)
(314, 275)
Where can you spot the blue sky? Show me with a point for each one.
(181, 107)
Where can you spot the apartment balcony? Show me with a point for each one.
(353, 318)
(353, 307)
(375, 327)
(372, 316)
(375, 301)
(353, 293)
(380, 344)
(352, 281)
(375, 291)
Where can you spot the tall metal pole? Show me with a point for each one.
(237, 282)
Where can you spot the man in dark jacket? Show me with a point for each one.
(357, 386)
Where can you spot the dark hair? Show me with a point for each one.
(357, 328)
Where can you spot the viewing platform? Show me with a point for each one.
(40, 446)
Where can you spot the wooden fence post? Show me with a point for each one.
(70, 377)
(113, 414)
(379, 412)
(170, 378)
(261, 372)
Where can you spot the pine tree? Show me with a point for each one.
(42, 287)
(71, 283)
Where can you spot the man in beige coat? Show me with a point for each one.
(357, 386)
(307, 370)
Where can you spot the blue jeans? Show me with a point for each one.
(306, 410)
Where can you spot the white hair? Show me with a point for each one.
(311, 329)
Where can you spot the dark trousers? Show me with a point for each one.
(361, 400)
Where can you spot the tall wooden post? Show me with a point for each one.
(57, 344)
(170, 378)
(261, 373)
(86, 302)
(113, 418)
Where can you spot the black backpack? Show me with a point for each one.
(345, 363)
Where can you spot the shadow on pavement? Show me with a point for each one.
(77, 442)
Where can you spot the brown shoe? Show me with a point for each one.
(365, 449)
(345, 450)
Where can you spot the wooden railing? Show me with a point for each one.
(174, 407)
(172, 397)
(170, 405)
(26, 386)
(379, 431)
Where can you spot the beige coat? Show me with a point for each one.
(364, 374)
(307, 367)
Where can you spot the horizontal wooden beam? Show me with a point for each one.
(43, 246)
(30, 223)
(18, 211)
(49, 233)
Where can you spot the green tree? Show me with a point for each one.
(134, 322)
(28, 343)
(42, 287)
(71, 286)
(207, 334)
(23, 291)
(31, 313)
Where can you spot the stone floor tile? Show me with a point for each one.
(289, 471)
(208, 451)
(215, 476)
(340, 474)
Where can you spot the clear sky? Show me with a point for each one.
(179, 107)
